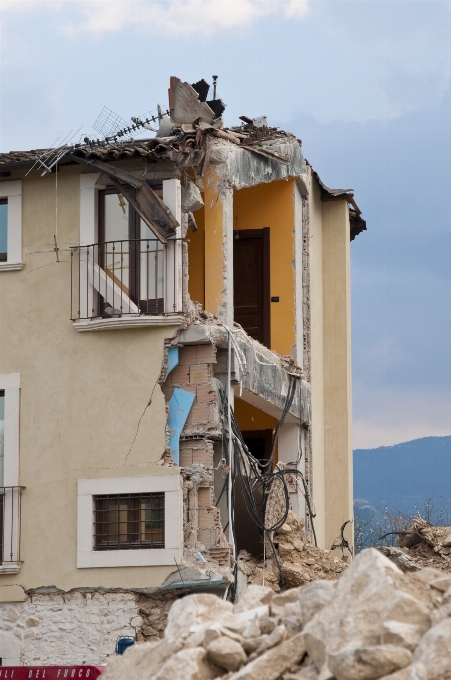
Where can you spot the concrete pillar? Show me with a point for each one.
(174, 264)
(337, 369)
(317, 361)
(218, 248)
(298, 271)
(289, 450)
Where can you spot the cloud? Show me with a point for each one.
(175, 17)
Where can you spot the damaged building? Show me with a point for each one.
(175, 371)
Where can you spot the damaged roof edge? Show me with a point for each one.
(357, 223)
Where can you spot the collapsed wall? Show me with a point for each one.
(202, 527)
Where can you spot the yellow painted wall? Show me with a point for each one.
(250, 417)
(272, 205)
(82, 395)
(196, 259)
(214, 236)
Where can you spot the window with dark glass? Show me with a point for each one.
(129, 521)
(3, 229)
(130, 253)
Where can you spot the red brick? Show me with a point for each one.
(200, 413)
(205, 393)
(179, 376)
(205, 519)
(168, 391)
(204, 497)
(207, 537)
(188, 354)
(199, 373)
(186, 457)
(203, 456)
(206, 354)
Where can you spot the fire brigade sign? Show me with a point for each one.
(50, 672)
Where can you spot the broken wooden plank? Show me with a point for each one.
(148, 205)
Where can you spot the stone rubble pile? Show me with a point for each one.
(300, 561)
(422, 545)
(373, 622)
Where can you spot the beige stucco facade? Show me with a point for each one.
(95, 400)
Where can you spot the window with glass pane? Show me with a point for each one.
(3, 229)
(129, 521)
(116, 256)
(130, 253)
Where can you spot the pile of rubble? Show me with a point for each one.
(422, 545)
(300, 562)
(373, 622)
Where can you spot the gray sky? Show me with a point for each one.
(364, 83)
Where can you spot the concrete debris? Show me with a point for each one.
(422, 545)
(374, 622)
(300, 561)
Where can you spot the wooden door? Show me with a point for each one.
(251, 282)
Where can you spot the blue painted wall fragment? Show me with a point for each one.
(173, 359)
(179, 407)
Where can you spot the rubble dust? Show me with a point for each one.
(300, 561)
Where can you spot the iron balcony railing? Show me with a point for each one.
(10, 523)
(126, 277)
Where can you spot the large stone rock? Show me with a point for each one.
(371, 592)
(314, 596)
(402, 634)
(189, 664)
(434, 650)
(275, 662)
(416, 671)
(141, 662)
(368, 663)
(194, 610)
(254, 597)
(226, 653)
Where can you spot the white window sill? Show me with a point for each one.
(11, 266)
(128, 558)
(128, 322)
(11, 568)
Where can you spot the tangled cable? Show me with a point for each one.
(256, 477)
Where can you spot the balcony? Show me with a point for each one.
(10, 528)
(137, 280)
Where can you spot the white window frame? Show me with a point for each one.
(10, 384)
(13, 192)
(171, 485)
(89, 188)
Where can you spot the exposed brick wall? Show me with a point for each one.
(202, 519)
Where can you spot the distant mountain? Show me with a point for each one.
(401, 477)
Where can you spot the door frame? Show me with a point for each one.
(265, 235)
